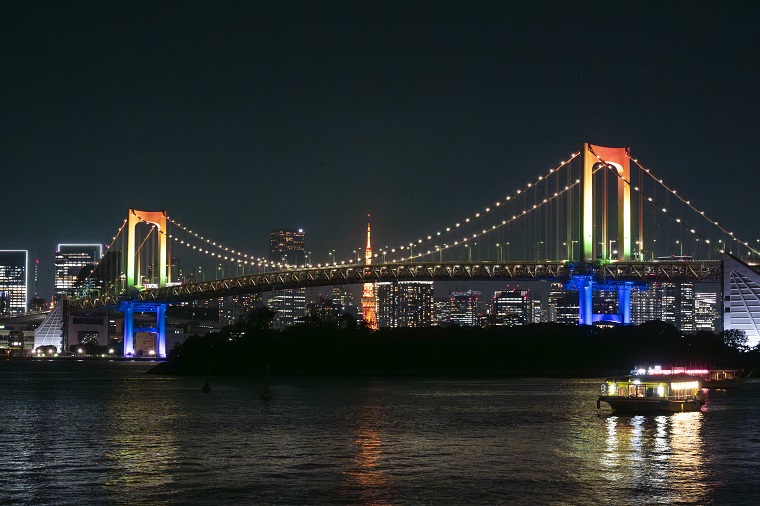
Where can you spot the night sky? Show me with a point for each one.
(239, 117)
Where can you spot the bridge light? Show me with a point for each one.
(467, 220)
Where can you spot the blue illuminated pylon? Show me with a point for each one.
(585, 286)
(128, 307)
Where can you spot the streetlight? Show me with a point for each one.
(680, 244)
(469, 252)
(498, 248)
(572, 249)
(539, 242)
(609, 250)
(331, 254)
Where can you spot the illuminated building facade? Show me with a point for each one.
(463, 308)
(563, 305)
(511, 307)
(287, 247)
(405, 304)
(70, 260)
(705, 311)
(369, 303)
(741, 298)
(14, 265)
(668, 302)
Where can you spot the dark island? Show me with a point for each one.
(545, 350)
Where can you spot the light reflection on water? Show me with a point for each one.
(84, 433)
(657, 457)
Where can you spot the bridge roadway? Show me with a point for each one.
(695, 271)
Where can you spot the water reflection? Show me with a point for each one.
(141, 448)
(661, 457)
(367, 475)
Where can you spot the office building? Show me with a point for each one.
(511, 307)
(706, 311)
(405, 303)
(463, 308)
(70, 261)
(287, 247)
(668, 302)
(14, 266)
(563, 305)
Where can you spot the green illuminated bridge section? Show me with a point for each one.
(694, 271)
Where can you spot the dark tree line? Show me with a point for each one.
(549, 349)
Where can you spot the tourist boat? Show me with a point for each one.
(725, 378)
(638, 394)
(711, 378)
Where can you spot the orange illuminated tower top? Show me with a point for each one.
(368, 297)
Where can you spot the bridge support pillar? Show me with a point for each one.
(624, 302)
(159, 346)
(585, 300)
(128, 309)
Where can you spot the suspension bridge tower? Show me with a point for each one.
(129, 305)
(600, 158)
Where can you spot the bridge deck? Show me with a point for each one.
(695, 271)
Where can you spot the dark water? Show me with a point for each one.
(106, 433)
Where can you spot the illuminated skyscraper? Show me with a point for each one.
(463, 308)
(563, 304)
(14, 266)
(369, 304)
(405, 304)
(705, 311)
(287, 247)
(668, 302)
(70, 259)
(512, 307)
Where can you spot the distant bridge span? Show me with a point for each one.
(674, 271)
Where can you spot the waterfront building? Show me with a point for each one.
(463, 308)
(14, 266)
(70, 261)
(511, 307)
(405, 303)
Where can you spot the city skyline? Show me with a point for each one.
(241, 118)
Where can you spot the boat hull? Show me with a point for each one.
(647, 405)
